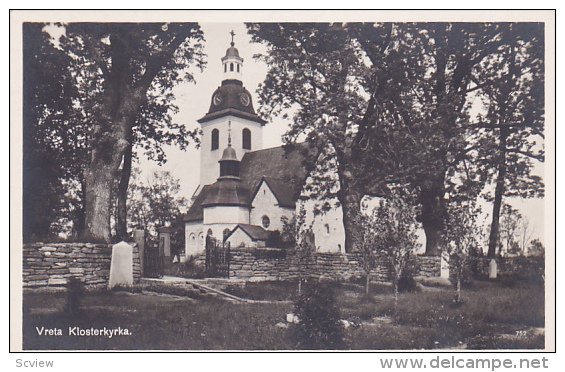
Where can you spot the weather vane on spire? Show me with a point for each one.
(229, 132)
(232, 35)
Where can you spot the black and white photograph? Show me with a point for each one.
(279, 181)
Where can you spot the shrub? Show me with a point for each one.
(406, 283)
(75, 291)
(320, 326)
(187, 269)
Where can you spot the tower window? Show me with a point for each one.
(226, 67)
(237, 67)
(246, 139)
(215, 139)
(266, 222)
(231, 66)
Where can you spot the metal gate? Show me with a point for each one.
(217, 258)
(154, 264)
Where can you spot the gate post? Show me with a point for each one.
(165, 239)
(139, 238)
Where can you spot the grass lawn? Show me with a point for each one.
(492, 312)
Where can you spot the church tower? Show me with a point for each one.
(230, 107)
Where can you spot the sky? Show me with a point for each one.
(193, 100)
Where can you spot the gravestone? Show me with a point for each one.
(492, 269)
(121, 266)
(444, 266)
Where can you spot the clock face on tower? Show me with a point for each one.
(244, 98)
(217, 99)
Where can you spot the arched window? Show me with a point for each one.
(215, 139)
(226, 233)
(266, 222)
(231, 66)
(246, 140)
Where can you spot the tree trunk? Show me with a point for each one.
(107, 153)
(79, 219)
(99, 181)
(458, 296)
(121, 228)
(432, 217)
(350, 201)
(395, 285)
(498, 194)
(367, 283)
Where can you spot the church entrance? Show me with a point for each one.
(217, 258)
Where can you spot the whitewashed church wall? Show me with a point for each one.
(328, 227)
(265, 204)
(209, 167)
(226, 214)
(240, 239)
(218, 229)
(194, 239)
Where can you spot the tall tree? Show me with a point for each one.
(513, 91)
(154, 201)
(316, 69)
(138, 65)
(54, 143)
(394, 101)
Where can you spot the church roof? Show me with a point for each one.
(282, 168)
(231, 52)
(253, 231)
(231, 98)
(195, 212)
(229, 154)
(226, 192)
(284, 194)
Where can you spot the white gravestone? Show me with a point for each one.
(444, 266)
(492, 269)
(121, 267)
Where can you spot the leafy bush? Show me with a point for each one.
(187, 269)
(320, 326)
(75, 292)
(407, 283)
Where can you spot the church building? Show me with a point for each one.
(244, 189)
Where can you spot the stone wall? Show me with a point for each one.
(429, 266)
(259, 264)
(51, 264)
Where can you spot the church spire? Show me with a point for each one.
(229, 164)
(232, 63)
(232, 35)
(229, 132)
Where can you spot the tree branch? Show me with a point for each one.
(538, 157)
